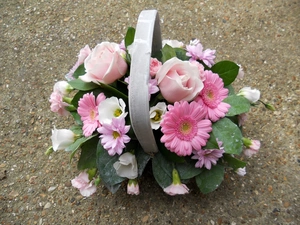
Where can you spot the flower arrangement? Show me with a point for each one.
(195, 114)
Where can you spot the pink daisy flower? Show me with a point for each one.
(212, 95)
(185, 128)
(208, 157)
(88, 111)
(57, 104)
(114, 136)
(195, 51)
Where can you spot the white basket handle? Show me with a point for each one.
(147, 39)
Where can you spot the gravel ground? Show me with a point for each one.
(39, 43)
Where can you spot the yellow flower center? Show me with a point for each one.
(92, 114)
(115, 134)
(118, 112)
(157, 116)
(186, 128)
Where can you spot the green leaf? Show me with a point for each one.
(76, 117)
(181, 54)
(82, 86)
(87, 158)
(239, 104)
(171, 156)
(77, 129)
(106, 170)
(162, 170)
(129, 38)
(211, 142)
(79, 71)
(167, 53)
(230, 89)
(227, 70)
(188, 170)
(230, 135)
(233, 162)
(210, 180)
(75, 146)
(110, 91)
(142, 159)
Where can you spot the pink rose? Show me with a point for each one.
(154, 66)
(105, 64)
(179, 80)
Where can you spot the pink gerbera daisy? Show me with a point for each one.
(208, 157)
(88, 111)
(114, 136)
(212, 95)
(185, 128)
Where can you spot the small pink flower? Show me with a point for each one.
(84, 185)
(122, 45)
(57, 104)
(152, 86)
(200, 68)
(195, 51)
(133, 187)
(154, 66)
(83, 54)
(176, 188)
(242, 119)
(208, 157)
(114, 136)
(252, 147)
(212, 95)
(185, 128)
(88, 111)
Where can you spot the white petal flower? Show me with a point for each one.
(62, 87)
(111, 108)
(126, 166)
(156, 113)
(62, 138)
(173, 43)
(241, 171)
(252, 95)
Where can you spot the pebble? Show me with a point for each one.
(52, 188)
(47, 206)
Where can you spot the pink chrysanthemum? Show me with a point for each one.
(185, 128)
(88, 111)
(195, 51)
(114, 136)
(212, 95)
(57, 104)
(208, 157)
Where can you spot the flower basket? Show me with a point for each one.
(184, 115)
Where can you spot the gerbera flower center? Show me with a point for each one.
(210, 96)
(92, 114)
(115, 134)
(187, 129)
(118, 112)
